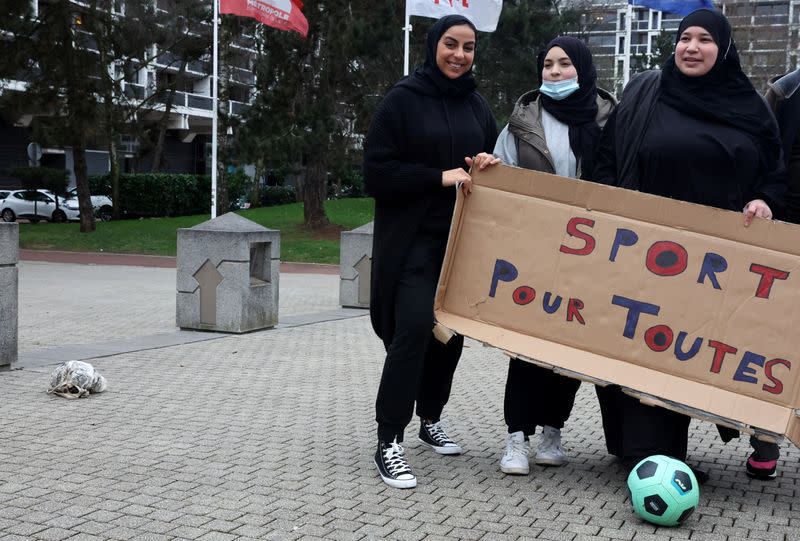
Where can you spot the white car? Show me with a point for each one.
(34, 205)
(101, 204)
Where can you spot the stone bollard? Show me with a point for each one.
(9, 293)
(355, 261)
(227, 279)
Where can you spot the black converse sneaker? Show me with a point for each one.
(434, 435)
(393, 466)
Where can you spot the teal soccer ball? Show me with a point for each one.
(663, 490)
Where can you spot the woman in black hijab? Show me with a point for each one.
(422, 135)
(697, 131)
(554, 129)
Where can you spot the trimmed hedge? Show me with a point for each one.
(272, 196)
(158, 194)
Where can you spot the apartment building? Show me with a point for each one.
(188, 137)
(765, 32)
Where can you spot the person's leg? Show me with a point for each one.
(439, 366)
(635, 431)
(403, 366)
(517, 409)
(405, 354)
(763, 461)
(434, 391)
(518, 400)
(652, 430)
(612, 415)
(555, 397)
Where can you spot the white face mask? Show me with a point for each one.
(558, 90)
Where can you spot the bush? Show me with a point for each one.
(352, 185)
(158, 194)
(272, 196)
(238, 185)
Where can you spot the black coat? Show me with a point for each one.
(417, 133)
(783, 97)
(620, 161)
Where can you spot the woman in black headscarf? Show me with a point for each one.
(554, 129)
(697, 131)
(423, 133)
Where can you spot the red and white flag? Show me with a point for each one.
(281, 14)
(483, 13)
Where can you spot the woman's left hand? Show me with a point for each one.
(756, 207)
(482, 161)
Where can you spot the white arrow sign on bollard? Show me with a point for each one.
(208, 278)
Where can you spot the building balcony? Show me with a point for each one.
(238, 108)
(243, 76)
(133, 91)
(198, 105)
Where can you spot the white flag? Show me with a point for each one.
(483, 13)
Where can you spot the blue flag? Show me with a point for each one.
(674, 6)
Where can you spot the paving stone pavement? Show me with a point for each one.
(123, 302)
(270, 435)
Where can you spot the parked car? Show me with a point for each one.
(34, 205)
(101, 204)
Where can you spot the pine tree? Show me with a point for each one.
(309, 92)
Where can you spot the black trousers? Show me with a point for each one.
(765, 450)
(536, 396)
(417, 367)
(635, 431)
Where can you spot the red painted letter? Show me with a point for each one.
(768, 276)
(572, 231)
(666, 258)
(777, 388)
(658, 337)
(719, 354)
(523, 295)
(573, 310)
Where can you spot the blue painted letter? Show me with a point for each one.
(686, 355)
(551, 308)
(634, 309)
(503, 272)
(745, 372)
(712, 264)
(624, 237)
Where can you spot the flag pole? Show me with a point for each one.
(626, 60)
(215, 107)
(407, 29)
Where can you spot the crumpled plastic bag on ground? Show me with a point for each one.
(76, 379)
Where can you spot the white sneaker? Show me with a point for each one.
(550, 452)
(515, 459)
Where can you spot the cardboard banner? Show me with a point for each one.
(677, 302)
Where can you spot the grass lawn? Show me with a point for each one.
(157, 236)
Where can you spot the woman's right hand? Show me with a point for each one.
(482, 161)
(459, 178)
(756, 207)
